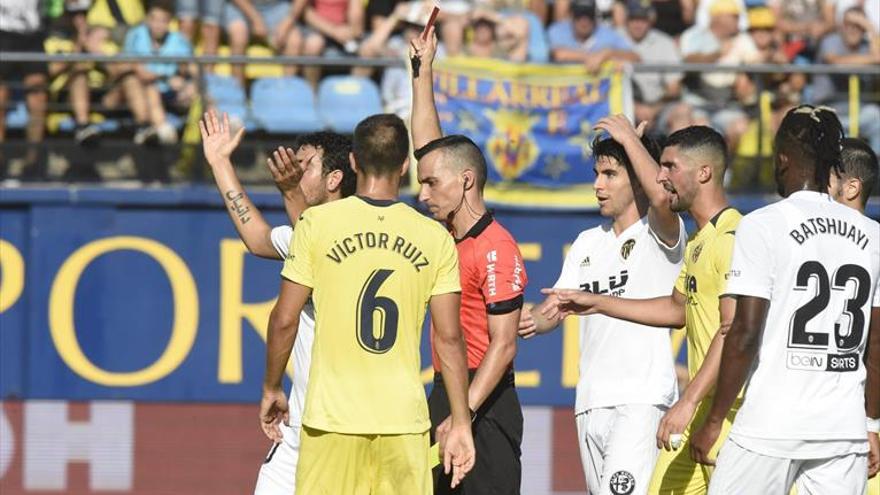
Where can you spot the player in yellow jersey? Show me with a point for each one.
(691, 170)
(372, 265)
(852, 187)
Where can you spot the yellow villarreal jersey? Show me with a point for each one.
(373, 267)
(702, 281)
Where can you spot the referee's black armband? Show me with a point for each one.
(504, 307)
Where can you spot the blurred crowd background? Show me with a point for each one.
(60, 118)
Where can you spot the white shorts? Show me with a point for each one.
(619, 447)
(741, 471)
(278, 472)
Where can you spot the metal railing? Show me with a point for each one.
(352, 61)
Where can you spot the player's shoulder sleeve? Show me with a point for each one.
(674, 253)
(447, 279)
(568, 276)
(753, 260)
(681, 280)
(281, 237)
(503, 275)
(722, 249)
(298, 264)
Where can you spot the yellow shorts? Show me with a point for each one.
(676, 473)
(335, 463)
(874, 485)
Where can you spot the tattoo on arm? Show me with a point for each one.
(235, 198)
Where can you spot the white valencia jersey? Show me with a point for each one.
(818, 263)
(623, 362)
(305, 337)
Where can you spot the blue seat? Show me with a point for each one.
(285, 105)
(343, 101)
(228, 96)
(17, 118)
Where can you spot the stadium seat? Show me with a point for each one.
(343, 101)
(285, 105)
(17, 118)
(227, 95)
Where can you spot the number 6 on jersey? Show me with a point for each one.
(368, 306)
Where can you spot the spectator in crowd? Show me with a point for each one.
(857, 42)
(652, 89)
(116, 82)
(407, 21)
(562, 10)
(871, 8)
(583, 40)
(768, 42)
(332, 27)
(206, 14)
(22, 30)
(163, 83)
(703, 15)
(494, 36)
(803, 23)
(115, 17)
(674, 16)
(721, 43)
(268, 21)
(378, 11)
(676, 116)
(502, 27)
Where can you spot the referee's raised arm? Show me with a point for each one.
(663, 221)
(425, 121)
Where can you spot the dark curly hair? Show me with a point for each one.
(813, 138)
(336, 148)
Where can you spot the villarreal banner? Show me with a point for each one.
(533, 122)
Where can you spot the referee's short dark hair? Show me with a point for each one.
(461, 151)
(336, 148)
(381, 145)
(858, 161)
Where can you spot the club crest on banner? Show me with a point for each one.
(511, 147)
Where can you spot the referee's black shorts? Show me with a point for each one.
(497, 429)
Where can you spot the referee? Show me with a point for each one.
(452, 174)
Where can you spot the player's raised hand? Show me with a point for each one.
(273, 410)
(620, 128)
(674, 422)
(218, 142)
(527, 327)
(873, 454)
(424, 49)
(459, 454)
(569, 302)
(703, 440)
(285, 170)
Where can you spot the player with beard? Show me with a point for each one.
(452, 173)
(317, 173)
(804, 271)
(626, 379)
(692, 171)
